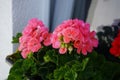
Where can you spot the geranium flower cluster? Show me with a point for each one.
(115, 49)
(33, 37)
(71, 34)
(74, 34)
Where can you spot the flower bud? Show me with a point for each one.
(70, 49)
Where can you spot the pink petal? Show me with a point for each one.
(56, 44)
(47, 41)
(62, 50)
(24, 53)
(84, 52)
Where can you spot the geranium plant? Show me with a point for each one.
(66, 54)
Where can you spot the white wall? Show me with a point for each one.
(14, 15)
(103, 12)
(5, 36)
(24, 10)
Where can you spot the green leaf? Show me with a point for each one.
(14, 57)
(40, 54)
(16, 38)
(84, 63)
(50, 76)
(110, 70)
(45, 69)
(16, 77)
(60, 72)
(23, 69)
(34, 69)
(16, 66)
(66, 59)
(51, 56)
(27, 63)
(70, 75)
(80, 66)
(16, 73)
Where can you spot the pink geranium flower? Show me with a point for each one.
(74, 33)
(33, 35)
(71, 34)
(34, 45)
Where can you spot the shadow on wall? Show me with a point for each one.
(106, 35)
(91, 12)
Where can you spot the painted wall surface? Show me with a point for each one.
(5, 36)
(66, 12)
(24, 10)
(103, 12)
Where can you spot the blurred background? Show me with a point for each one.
(14, 15)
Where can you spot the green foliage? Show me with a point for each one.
(16, 38)
(48, 64)
(14, 57)
(16, 73)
